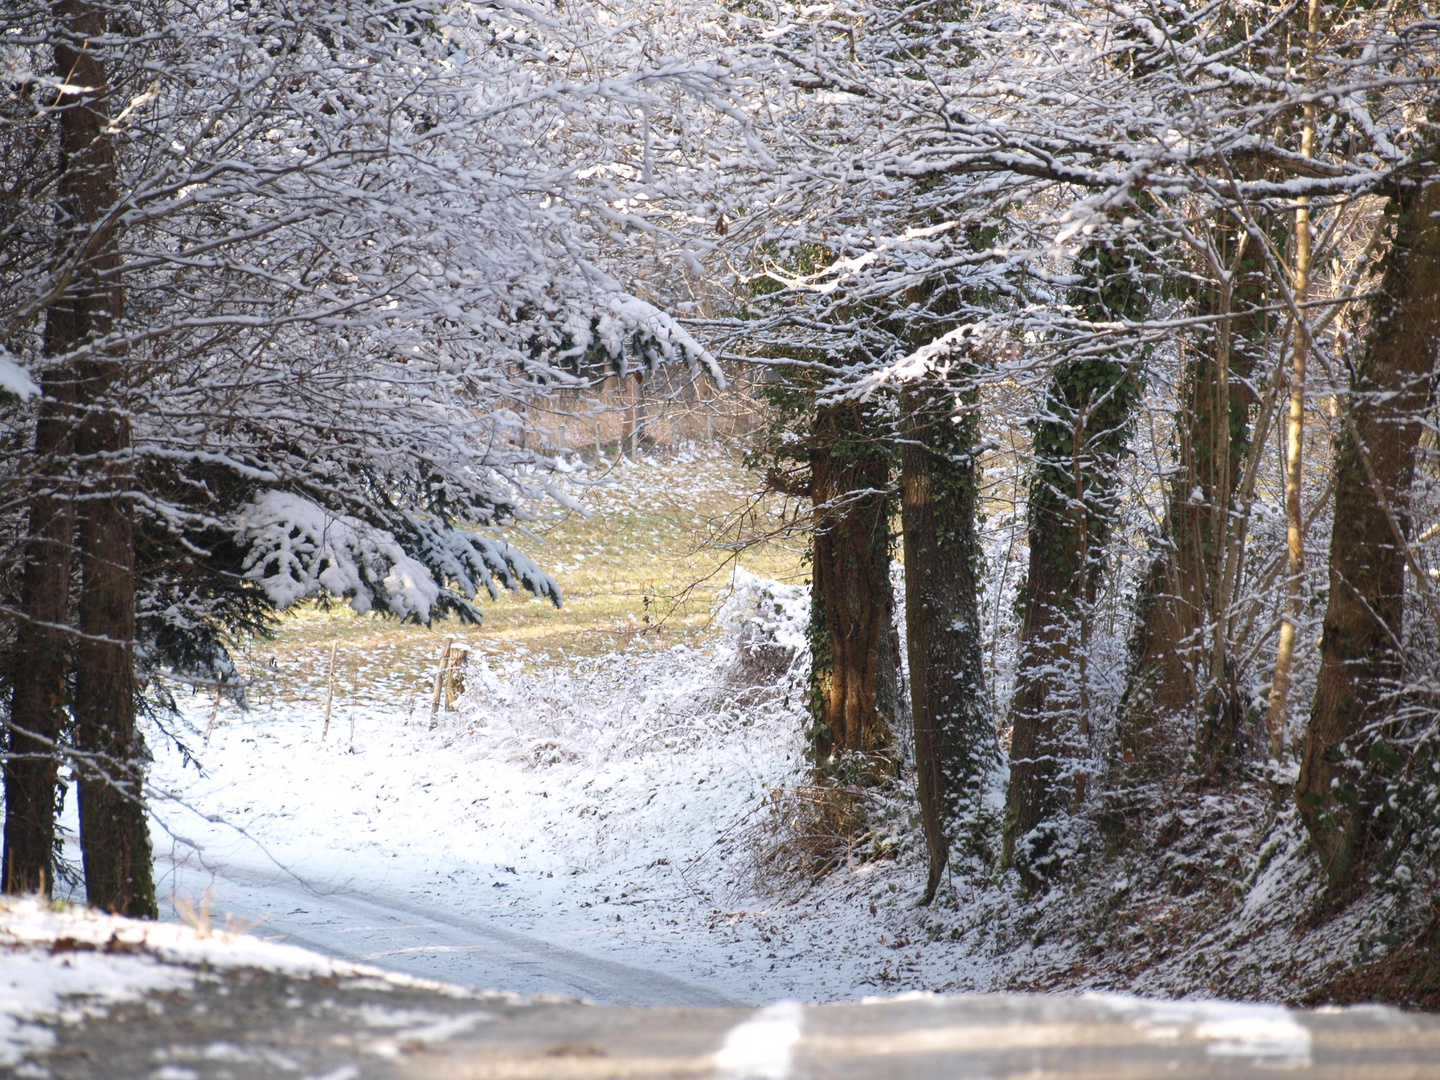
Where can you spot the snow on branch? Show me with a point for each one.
(298, 549)
(657, 336)
(469, 561)
(13, 377)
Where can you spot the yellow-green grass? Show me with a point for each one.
(644, 570)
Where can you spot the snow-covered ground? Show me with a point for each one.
(85, 995)
(613, 809)
(598, 825)
(599, 806)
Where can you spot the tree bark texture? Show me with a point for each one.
(40, 659)
(85, 185)
(955, 744)
(853, 678)
(114, 835)
(1346, 753)
(1079, 442)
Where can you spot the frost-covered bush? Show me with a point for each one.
(767, 626)
(623, 705)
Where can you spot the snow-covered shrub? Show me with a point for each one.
(767, 626)
(809, 831)
(806, 830)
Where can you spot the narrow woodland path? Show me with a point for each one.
(352, 922)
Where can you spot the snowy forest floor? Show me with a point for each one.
(626, 784)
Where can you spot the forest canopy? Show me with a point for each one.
(1148, 291)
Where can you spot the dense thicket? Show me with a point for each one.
(1186, 264)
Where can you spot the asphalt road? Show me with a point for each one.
(399, 934)
(244, 1025)
(248, 1025)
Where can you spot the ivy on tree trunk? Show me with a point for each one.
(1074, 491)
(1181, 692)
(956, 749)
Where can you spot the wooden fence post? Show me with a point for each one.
(440, 681)
(455, 675)
(329, 691)
(214, 713)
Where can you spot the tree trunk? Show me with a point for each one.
(1072, 508)
(114, 837)
(853, 677)
(955, 743)
(1277, 714)
(40, 658)
(1346, 752)
(114, 834)
(84, 195)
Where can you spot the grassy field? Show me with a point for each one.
(644, 570)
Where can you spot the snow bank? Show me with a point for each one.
(61, 964)
(37, 986)
(27, 923)
(1231, 1029)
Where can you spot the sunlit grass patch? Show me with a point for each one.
(644, 570)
